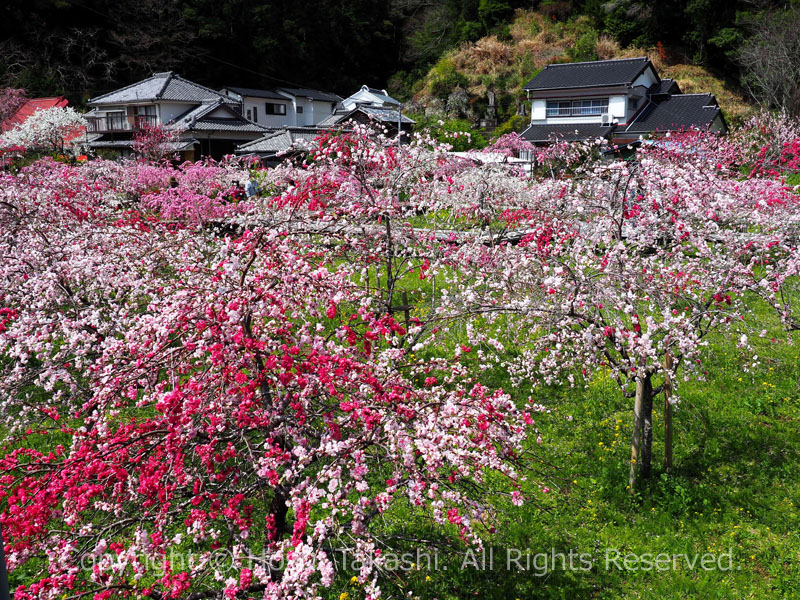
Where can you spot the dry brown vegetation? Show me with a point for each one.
(536, 40)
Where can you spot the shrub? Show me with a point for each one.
(585, 47)
(514, 125)
(445, 78)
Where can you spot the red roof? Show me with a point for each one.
(31, 106)
(35, 104)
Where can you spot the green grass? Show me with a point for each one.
(734, 489)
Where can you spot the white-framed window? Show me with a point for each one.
(274, 108)
(577, 108)
(299, 110)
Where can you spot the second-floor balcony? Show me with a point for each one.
(119, 122)
(577, 108)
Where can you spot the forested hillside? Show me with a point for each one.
(458, 85)
(82, 47)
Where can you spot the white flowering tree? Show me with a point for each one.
(46, 130)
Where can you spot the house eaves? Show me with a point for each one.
(603, 73)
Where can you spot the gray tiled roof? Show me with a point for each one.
(111, 143)
(380, 114)
(197, 119)
(332, 119)
(173, 146)
(673, 113)
(161, 86)
(280, 140)
(213, 124)
(568, 133)
(382, 96)
(386, 115)
(588, 74)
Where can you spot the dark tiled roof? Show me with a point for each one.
(673, 113)
(276, 93)
(313, 94)
(665, 86)
(588, 74)
(242, 91)
(568, 133)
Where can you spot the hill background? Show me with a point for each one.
(422, 50)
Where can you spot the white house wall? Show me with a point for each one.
(266, 120)
(572, 120)
(170, 110)
(250, 102)
(646, 79)
(306, 117)
(218, 113)
(322, 110)
(617, 107)
(539, 110)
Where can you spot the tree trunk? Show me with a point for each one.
(642, 443)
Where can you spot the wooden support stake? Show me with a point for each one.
(667, 412)
(641, 444)
(4, 591)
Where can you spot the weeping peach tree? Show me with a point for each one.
(174, 392)
(626, 266)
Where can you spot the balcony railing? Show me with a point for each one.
(576, 111)
(119, 123)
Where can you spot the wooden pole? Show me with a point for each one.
(636, 442)
(668, 412)
(4, 590)
(641, 444)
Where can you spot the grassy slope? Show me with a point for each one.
(506, 65)
(735, 487)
